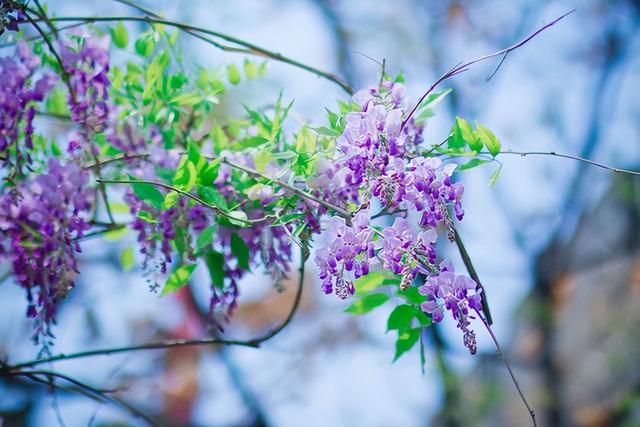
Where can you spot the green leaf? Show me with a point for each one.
(494, 176)
(119, 35)
(473, 163)
(238, 218)
(186, 175)
(127, 258)
(241, 251)
(205, 238)
(170, 200)
(215, 264)
(367, 303)
(178, 279)
(250, 69)
(148, 193)
(434, 99)
(233, 74)
(401, 318)
(145, 44)
(462, 134)
(488, 139)
(412, 295)
(369, 282)
(406, 341)
(186, 99)
(213, 197)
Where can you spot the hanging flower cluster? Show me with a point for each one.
(41, 222)
(20, 90)
(378, 157)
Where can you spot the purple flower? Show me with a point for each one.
(456, 293)
(406, 252)
(40, 225)
(19, 90)
(346, 255)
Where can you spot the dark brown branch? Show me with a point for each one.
(464, 66)
(253, 343)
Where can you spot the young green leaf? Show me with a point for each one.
(401, 318)
(369, 282)
(241, 251)
(406, 340)
(205, 238)
(215, 264)
(250, 69)
(178, 279)
(473, 163)
(186, 175)
(127, 258)
(488, 139)
(233, 74)
(495, 175)
(119, 35)
(367, 303)
(148, 193)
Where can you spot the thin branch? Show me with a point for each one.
(466, 259)
(338, 210)
(572, 157)
(464, 66)
(193, 197)
(250, 48)
(86, 390)
(506, 363)
(252, 343)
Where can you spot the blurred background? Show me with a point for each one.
(555, 242)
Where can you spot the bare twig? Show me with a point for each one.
(506, 363)
(86, 390)
(572, 157)
(464, 66)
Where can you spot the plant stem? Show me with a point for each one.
(506, 363)
(250, 48)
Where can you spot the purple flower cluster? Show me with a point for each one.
(406, 252)
(158, 228)
(20, 88)
(10, 15)
(346, 255)
(377, 157)
(456, 293)
(86, 61)
(40, 224)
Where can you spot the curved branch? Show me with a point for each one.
(506, 363)
(572, 157)
(82, 388)
(253, 343)
(462, 67)
(249, 48)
